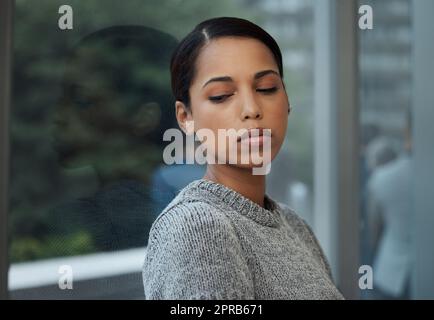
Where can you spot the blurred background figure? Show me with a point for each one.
(389, 207)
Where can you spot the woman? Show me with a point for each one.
(222, 237)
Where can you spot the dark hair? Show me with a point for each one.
(182, 65)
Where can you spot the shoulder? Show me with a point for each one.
(390, 172)
(193, 252)
(306, 234)
(190, 220)
(294, 220)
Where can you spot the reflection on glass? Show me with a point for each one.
(385, 150)
(86, 126)
(114, 109)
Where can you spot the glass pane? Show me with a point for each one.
(89, 109)
(385, 149)
(291, 178)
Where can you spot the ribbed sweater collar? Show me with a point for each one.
(224, 196)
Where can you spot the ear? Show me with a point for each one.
(184, 117)
(147, 118)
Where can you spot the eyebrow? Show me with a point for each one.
(257, 76)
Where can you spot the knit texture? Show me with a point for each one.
(211, 242)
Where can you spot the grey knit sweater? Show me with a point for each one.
(211, 242)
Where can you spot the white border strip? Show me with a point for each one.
(46, 272)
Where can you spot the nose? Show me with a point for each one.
(251, 110)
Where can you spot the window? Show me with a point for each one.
(86, 175)
(88, 108)
(385, 149)
(396, 210)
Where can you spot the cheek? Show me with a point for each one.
(203, 122)
(212, 118)
(278, 118)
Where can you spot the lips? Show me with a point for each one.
(254, 133)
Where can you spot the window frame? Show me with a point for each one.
(6, 35)
(336, 147)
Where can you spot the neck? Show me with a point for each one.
(239, 179)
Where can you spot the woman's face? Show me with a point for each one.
(237, 86)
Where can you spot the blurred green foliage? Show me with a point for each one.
(31, 248)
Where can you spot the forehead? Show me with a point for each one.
(233, 56)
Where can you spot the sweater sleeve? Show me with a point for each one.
(194, 253)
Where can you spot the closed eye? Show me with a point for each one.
(267, 90)
(222, 98)
(219, 99)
